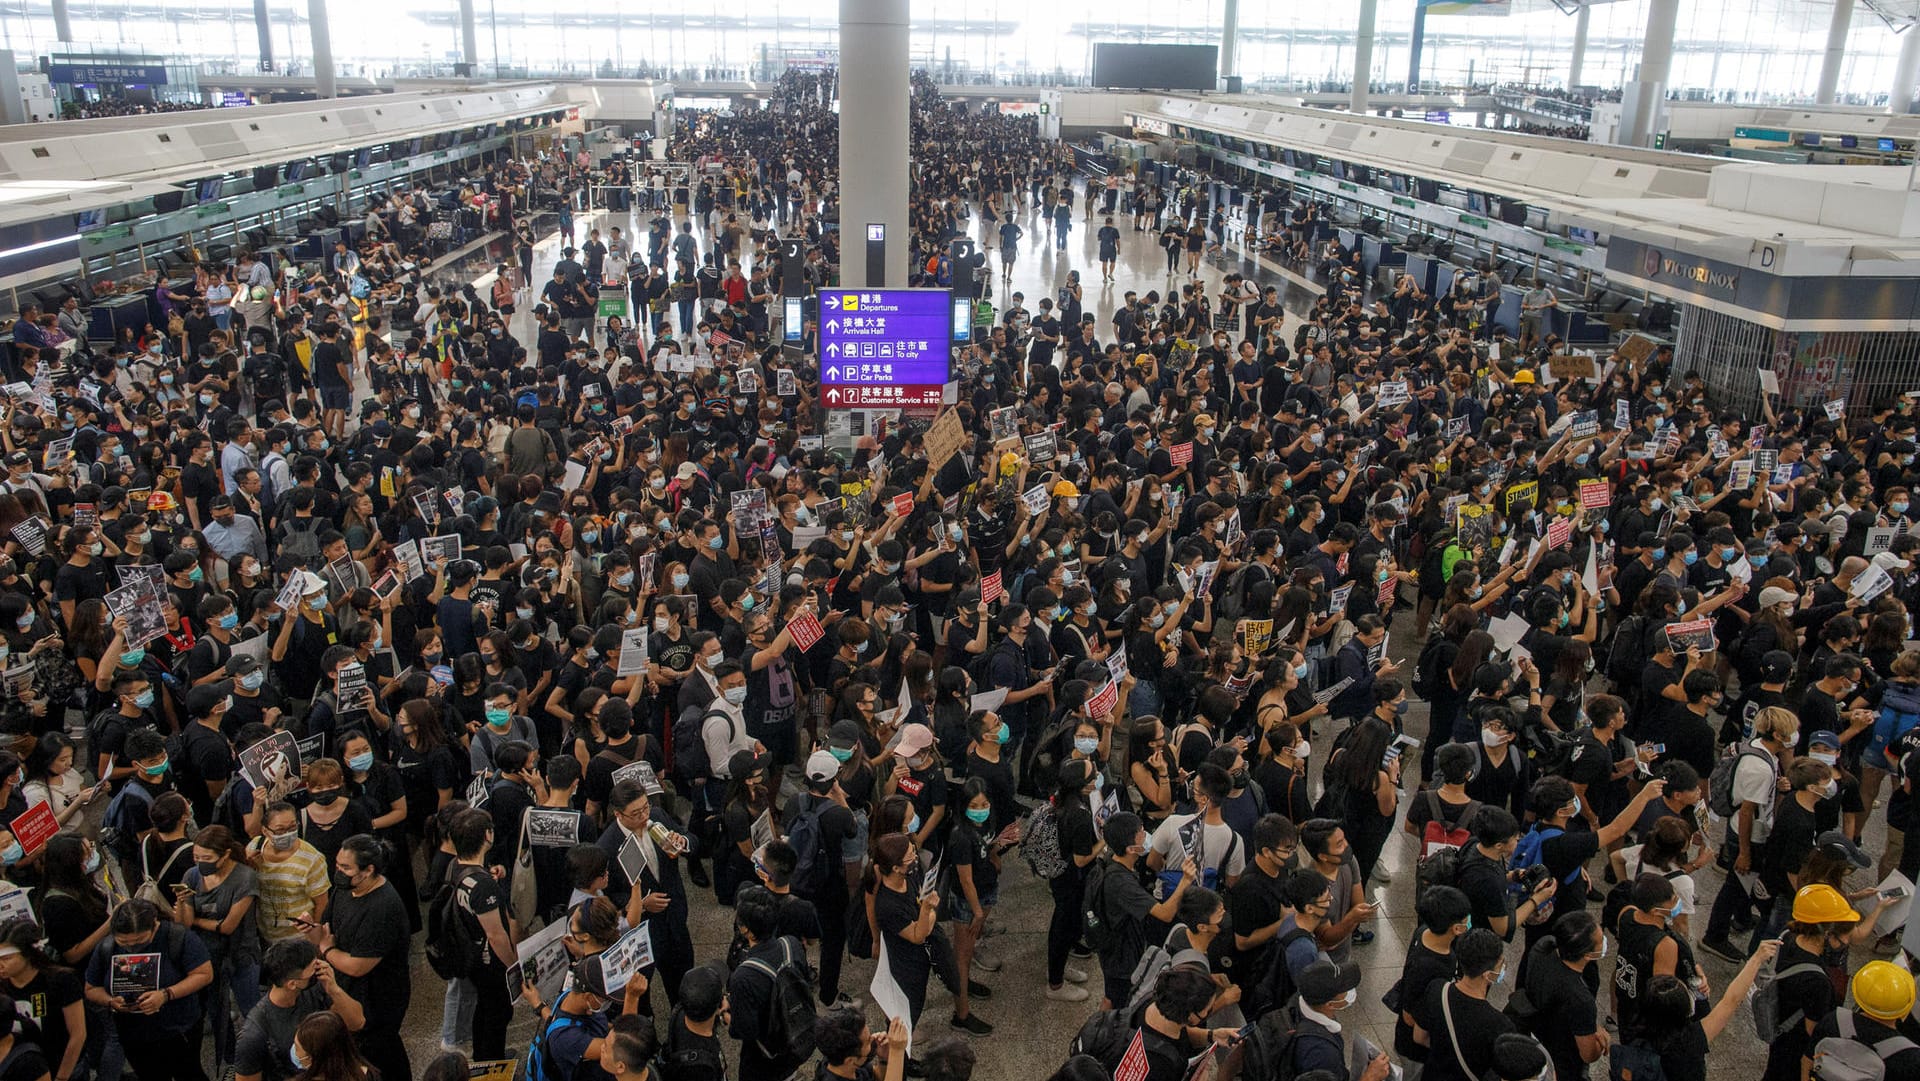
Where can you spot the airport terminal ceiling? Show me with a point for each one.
(1283, 44)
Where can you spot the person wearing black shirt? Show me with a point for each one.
(750, 989)
(367, 942)
(1561, 981)
(1257, 901)
(1482, 874)
(1444, 914)
(482, 904)
(1460, 1024)
(1115, 895)
(1079, 847)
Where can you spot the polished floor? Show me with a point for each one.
(1031, 1031)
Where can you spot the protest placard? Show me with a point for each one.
(1595, 494)
(805, 630)
(1690, 634)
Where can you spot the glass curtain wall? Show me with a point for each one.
(1730, 49)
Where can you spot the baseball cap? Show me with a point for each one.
(687, 471)
(1773, 595)
(1775, 665)
(744, 762)
(914, 738)
(822, 766)
(1324, 981)
(243, 664)
(1887, 561)
(590, 976)
(1824, 737)
(1837, 844)
(201, 700)
(19, 457)
(844, 735)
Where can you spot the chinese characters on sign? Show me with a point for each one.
(891, 347)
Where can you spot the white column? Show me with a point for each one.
(874, 95)
(1648, 92)
(322, 48)
(1580, 22)
(1229, 39)
(1836, 52)
(1362, 58)
(62, 21)
(469, 39)
(1906, 71)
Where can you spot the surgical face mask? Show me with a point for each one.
(1300, 671)
(1085, 745)
(1492, 737)
(716, 542)
(736, 695)
(1500, 977)
(913, 825)
(229, 621)
(1302, 750)
(840, 754)
(1898, 506)
(252, 680)
(499, 717)
(1575, 813)
(680, 580)
(1690, 558)
(1830, 758)
(623, 579)
(284, 842)
(660, 624)
(978, 815)
(1657, 503)
(1830, 790)
(360, 763)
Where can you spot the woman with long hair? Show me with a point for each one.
(323, 1050)
(1151, 770)
(73, 907)
(975, 860)
(52, 991)
(25, 1058)
(216, 902)
(1080, 845)
(907, 917)
(52, 778)
(164, 852)
(1369, 790)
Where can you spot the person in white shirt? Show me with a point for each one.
(724, 731)
(1214, 846)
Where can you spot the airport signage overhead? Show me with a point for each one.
(885, 348)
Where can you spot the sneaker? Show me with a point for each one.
(976, 989)
(973, 1024)
(985, 963)
(1723, 949)
(1067, 992)
(1075, 975)
(697, 874)
(1362, 937)
(1080, 951)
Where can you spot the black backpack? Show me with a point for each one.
(453, 948)
(1104, 1036)
(1428, 678)
(695, 1062)
(1275, 988)
(1267, 1051)
(1101, 934)
(689, 747)
(813, 864)
(787, 1035)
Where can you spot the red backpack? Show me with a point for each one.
(1437, 834)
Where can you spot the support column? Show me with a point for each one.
(1836, 52)
(1362, 58)
(1643, 103)
(62, 22)
(1418, 41)
(469, 40)
(1580, 22)
(1229, 39)
(322, 49)
(263, 29)
(873, 138)
(1906, 71)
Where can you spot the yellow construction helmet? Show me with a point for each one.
(1821, 903)
(1883, 991)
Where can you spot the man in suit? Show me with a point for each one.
(655, 872)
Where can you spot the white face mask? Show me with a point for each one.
(1302, 749)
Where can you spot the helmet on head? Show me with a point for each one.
(1883, 991)
(1821, 903)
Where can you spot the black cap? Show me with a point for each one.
(1324, 981)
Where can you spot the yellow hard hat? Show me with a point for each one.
(1821, 903)
(1009, 464)
(1066, 488)
(1883, 991)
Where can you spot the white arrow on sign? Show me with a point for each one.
(833, 394)
(832, 374)
(833, 300)
(833, 349)
(833, 325)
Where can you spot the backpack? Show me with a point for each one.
(1848, 1058)
(1620, 898)
(788, 1032)
(1437, 835)
(118, 832)
(453, 949)
(1104, 1036)
(1101, 933)
(1530, 851)
(812, 862)
(537, 1066)
(1720, 784)
(1626, 656)
(1429, 679)
(697, 1063)
(302, 545)
(1275, 988)
(1767, 1020)
(1153, 961)
(1899, 712)
(1040, 843)
(1268, 1050)
(689, 746)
